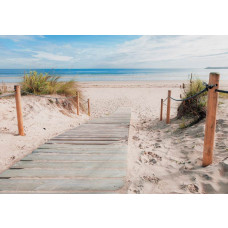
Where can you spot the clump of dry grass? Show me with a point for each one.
(194, 108)
(44, 84)
(47, 84)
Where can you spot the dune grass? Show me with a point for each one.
(194, 108)
(47, 84)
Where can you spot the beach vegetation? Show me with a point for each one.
(194, 108)
(47, 84)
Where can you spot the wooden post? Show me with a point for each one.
(210, 126)
(168, 107)
(19, 110)
(88, 108)
(77, 99)
(161, 113)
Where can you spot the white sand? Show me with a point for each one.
(161, 159)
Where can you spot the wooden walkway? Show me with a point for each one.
(91, 158)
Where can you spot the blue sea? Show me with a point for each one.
(86, 75)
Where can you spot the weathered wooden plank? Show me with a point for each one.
(101, 132)
(71, 165)
(91, 135)
(77, 157)
(88, 147)
(95, 133)
(81, 142)
(76, 152)
(77, 149)
(63, 173)
(60, 184)
(100, 125)
(76, 139)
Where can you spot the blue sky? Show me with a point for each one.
(113, 51)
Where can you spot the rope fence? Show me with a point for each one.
(207, 87)
(191, 97)
(212, 102)
(18, 93)
(221, 91)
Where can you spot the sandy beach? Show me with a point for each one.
(161, 158)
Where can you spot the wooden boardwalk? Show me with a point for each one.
(91, 158)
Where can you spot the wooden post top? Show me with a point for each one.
(214, 79)
(16, 86)
(215, 73)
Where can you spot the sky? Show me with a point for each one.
(112, 52)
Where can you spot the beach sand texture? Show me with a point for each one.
(161, 158)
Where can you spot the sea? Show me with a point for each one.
(87, 75)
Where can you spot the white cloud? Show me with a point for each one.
(153, 51)
(50, 56)
(172, 51)
(146, 51)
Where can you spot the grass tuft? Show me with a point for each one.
(47, 84)
(194, 108)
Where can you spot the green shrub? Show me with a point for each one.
(47, 84)
(196, 107)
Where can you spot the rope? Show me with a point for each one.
(197, 94)
(221, 91)
(7, 95)
(188, 98)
